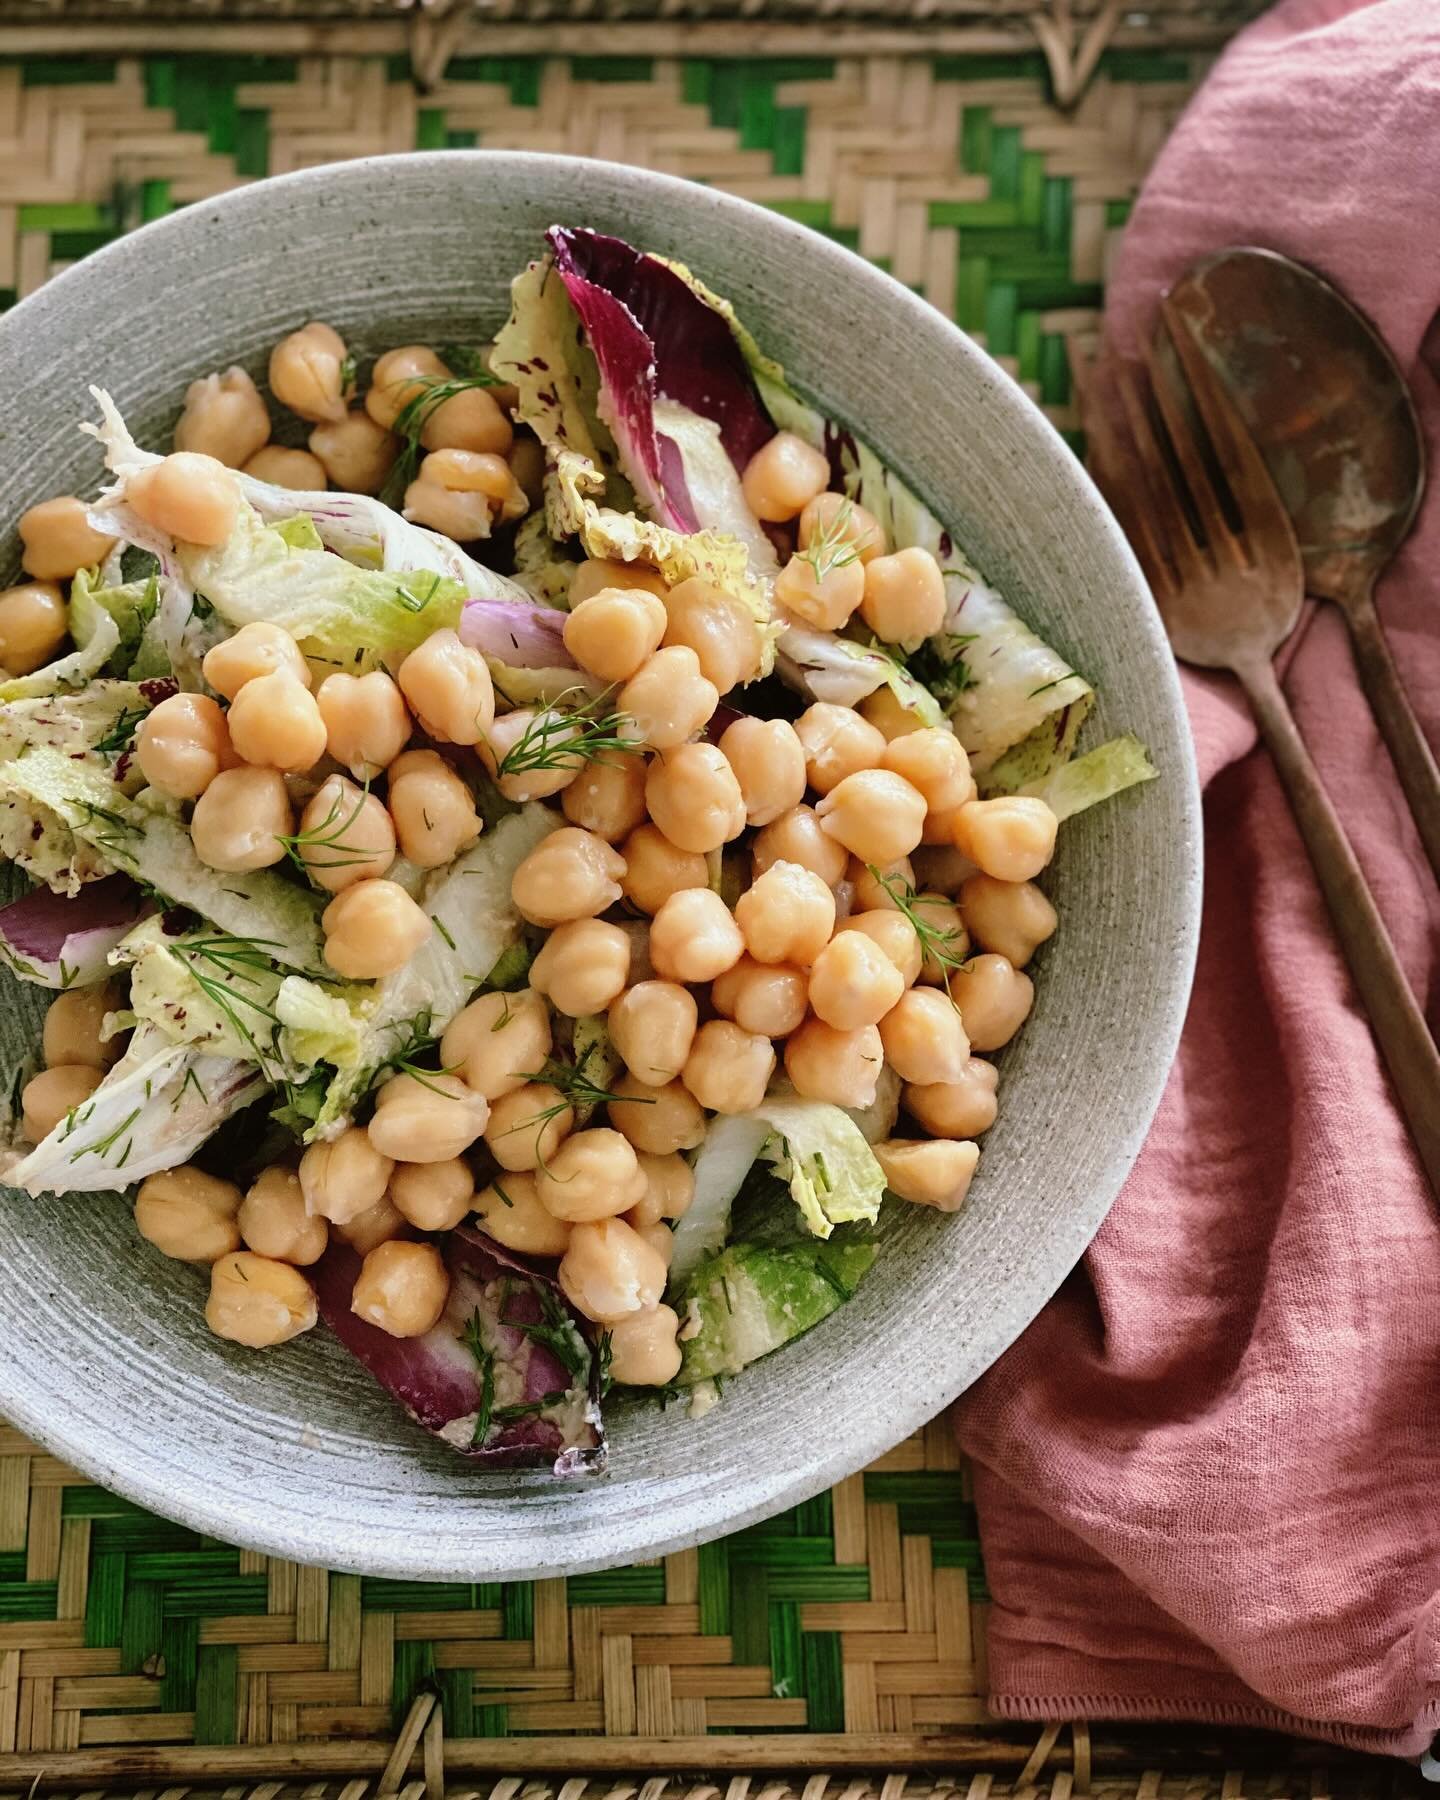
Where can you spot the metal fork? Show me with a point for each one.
(1216, 545)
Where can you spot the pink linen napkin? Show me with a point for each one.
(1208, 1476)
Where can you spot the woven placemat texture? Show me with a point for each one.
(861, 1612)
(955, 173)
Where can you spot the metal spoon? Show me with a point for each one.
(1329, 409)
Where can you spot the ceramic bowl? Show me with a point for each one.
(107, 1360)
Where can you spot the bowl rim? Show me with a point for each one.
(148, 1481)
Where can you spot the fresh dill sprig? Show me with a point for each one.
(485, 1358)
(421, 1041)
(944, 670)
(112, 840)
(103, 1146)
(576, 1090)
(328, 835)
(945, 946)
(556, 1332)
(238, 960)
(121, 735)
(832, 547)
(433, 391)
(559, 739)
(411, 599)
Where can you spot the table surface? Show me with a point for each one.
(863, 1611)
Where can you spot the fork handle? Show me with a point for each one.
(1405, 1041)
(1411, 754)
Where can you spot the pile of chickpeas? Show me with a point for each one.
(885, 914)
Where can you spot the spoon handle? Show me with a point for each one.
(1411, 754)
(1405, 1041)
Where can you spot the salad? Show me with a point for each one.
(533, 878)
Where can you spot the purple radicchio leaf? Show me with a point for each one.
(523, 636)
(538, 1410)
(63, 941)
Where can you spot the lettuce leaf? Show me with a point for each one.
(96, 637)
(1109, 769)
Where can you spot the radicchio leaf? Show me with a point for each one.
(507, 1344)
(60, 941)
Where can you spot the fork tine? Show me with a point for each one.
(1183, 551)
(1203, 494)
(1115, 471)
(1263, 515)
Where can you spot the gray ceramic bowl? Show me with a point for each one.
(106, 1357)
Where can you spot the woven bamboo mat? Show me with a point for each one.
(850, 1631)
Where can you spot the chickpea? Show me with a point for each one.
(1012, 918)
(509, 1211)
(609, 1271)
(854, 982)
(376, 1225)
(607, 796)
(73, 1023)
(614, 632)
(188, 1214)
(182, 745)
(693, 937)
(400, 377)
(769, 764)
(356, 453)
(372, 929)
(934, 762)
(345, 1176)
(841, 1067)
(582, 966)
(924, 1037)
(652, 1028)
(402, 1288)
(462, 493)
(435, 1196)
(644, 1348)
(669, 1189)
(571, 874)
(655, 869)
(940, 828)
(426, 1119)
(949, 941)
(876, 893)
(469, 420)
(274, 1220)
(720, 630)
(837, 520)
(788, 916)
(241, 820)
(783, 477)
(877, 816)
(837, 743)
(346, 835)
(930, 1171)
(256, 649)
(497, 1042)
(940, 868)
(527, 1125)
(58, 541)
(366, 724)
(33, 624)
(728, 1068)
(694, 798)
(888, 713)
(796, 837)
(449, 689)
(258, 1302)
(822, 590)
(223, 417)
(432, 809)
(1011, 838)
(513, 728)
(904, 599)
(50, 1095)
(598, 573)
(957, 1109)
(659, 1120)
(187, 496)
(275, 723)
(659, 1237)
(994, 1000)
(894, 934)
(594, 1174)
(307, 373)
(667, 700)
(767, 999)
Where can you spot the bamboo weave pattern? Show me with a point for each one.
(863, 1611)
